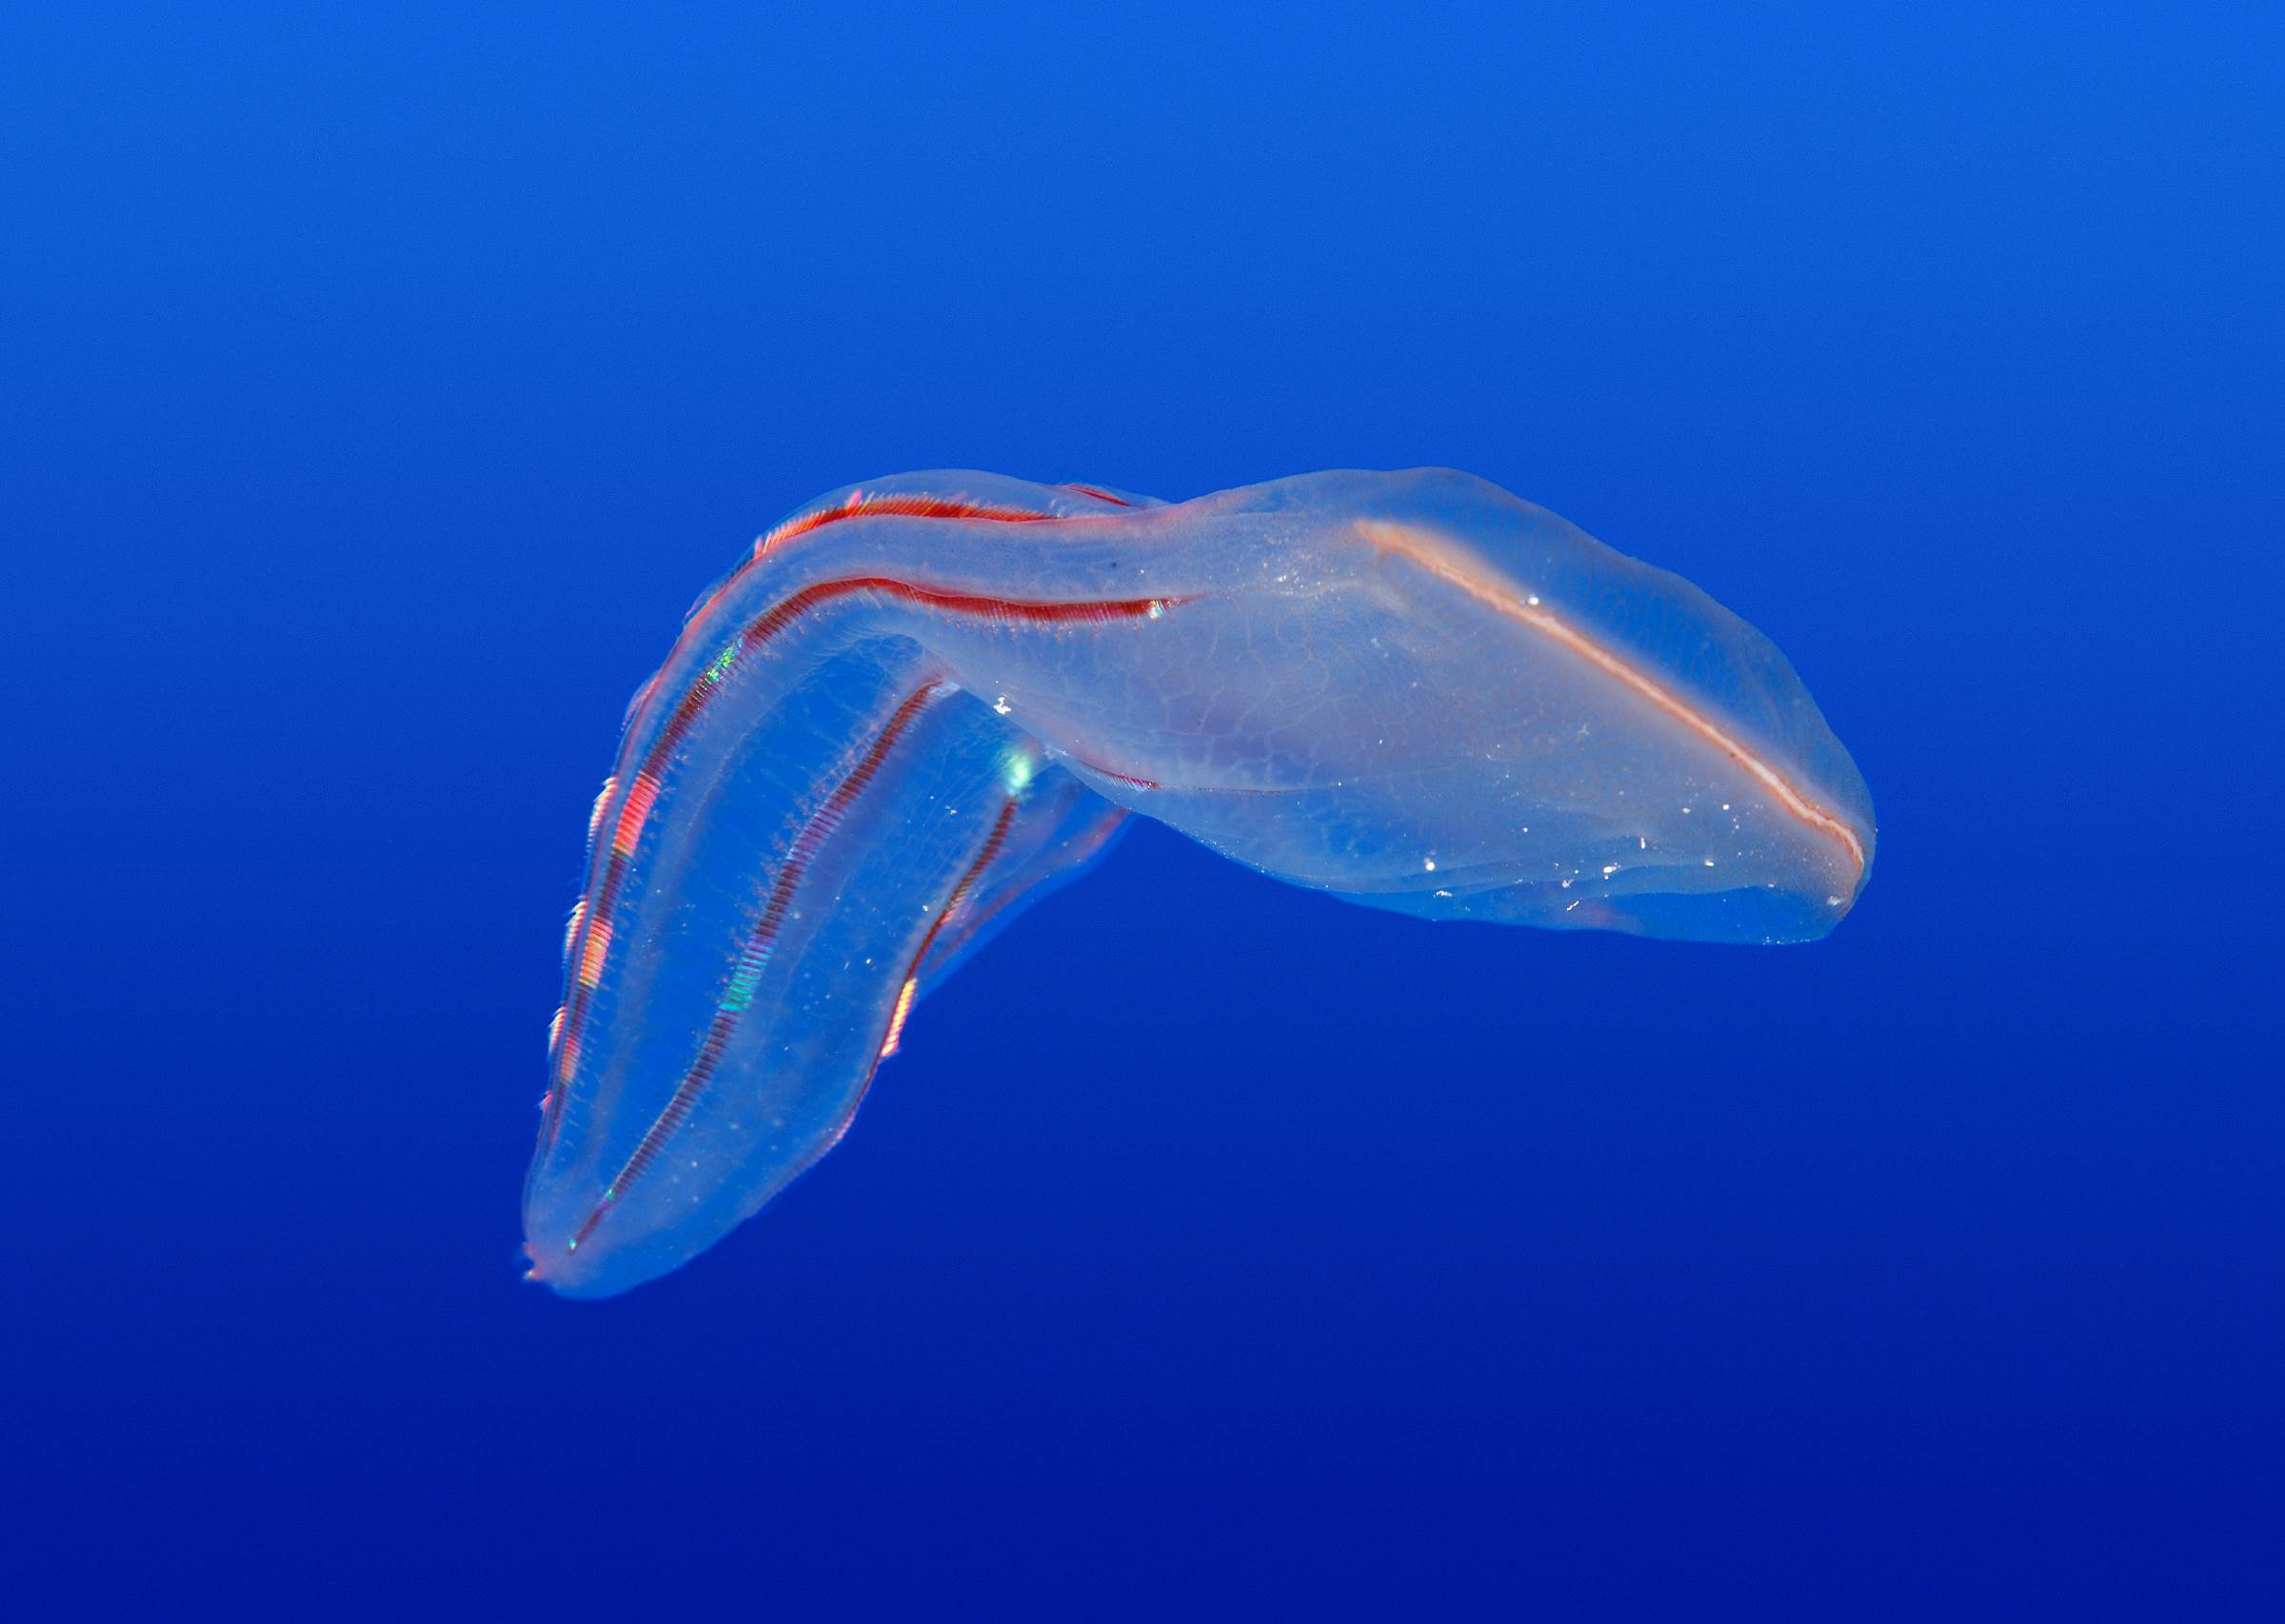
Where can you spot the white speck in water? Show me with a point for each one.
(1609, 869)
(1709, 862)
(1002, 705)
(1533, 599)
(1428, 864)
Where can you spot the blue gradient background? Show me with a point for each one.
(381, 389)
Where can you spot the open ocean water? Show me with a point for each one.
(382, 383)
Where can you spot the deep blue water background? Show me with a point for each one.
(380, 390)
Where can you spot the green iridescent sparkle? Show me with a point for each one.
(740, 993)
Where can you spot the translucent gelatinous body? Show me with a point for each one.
(921, 700)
